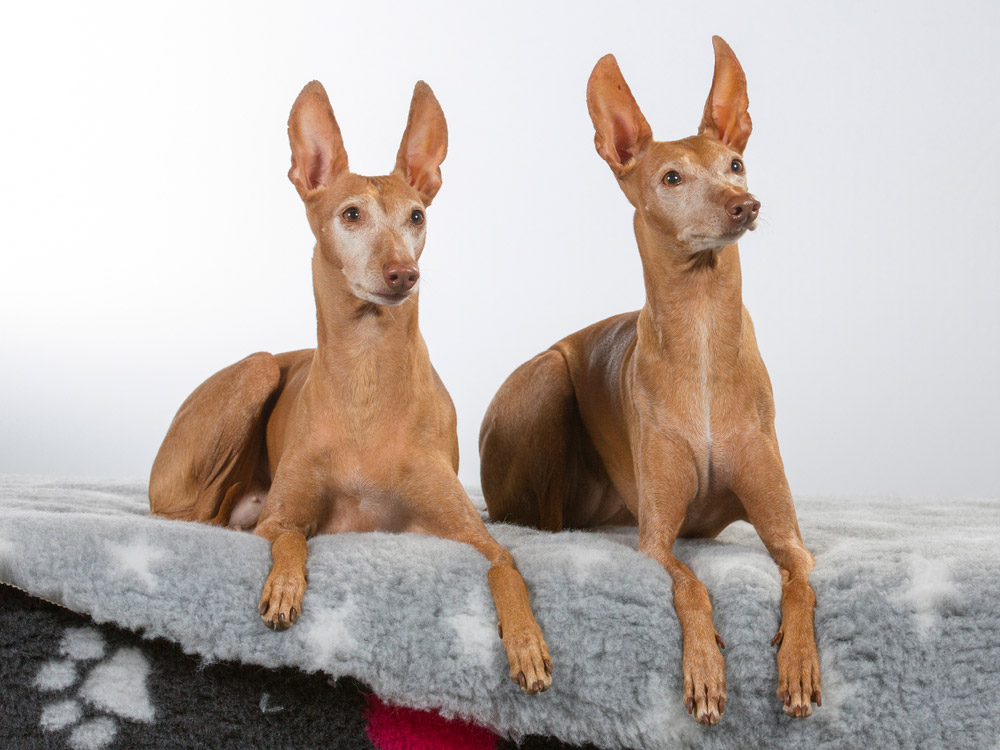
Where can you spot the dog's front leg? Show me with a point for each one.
(445, 508)
(667, 481)
(759, 481)
(527, 653)
(281, 599)
(288, 517)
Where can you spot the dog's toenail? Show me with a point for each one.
(548, 667)
(719, 640)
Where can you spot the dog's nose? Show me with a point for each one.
(742, 208)
(400, 276)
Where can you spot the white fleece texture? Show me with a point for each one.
(908, 617)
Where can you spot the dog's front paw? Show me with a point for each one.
(705, 681)
(798, 673)
(528, 655)
(281, 600)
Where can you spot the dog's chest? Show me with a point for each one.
(703, 392)
(689, 380)
(357, 501)
(364, 452)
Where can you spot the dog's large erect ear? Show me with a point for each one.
(621, 130)
(424, 144)
(726, 115)
(318, 153)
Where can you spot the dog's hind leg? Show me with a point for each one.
(528, 444)
(211, 452)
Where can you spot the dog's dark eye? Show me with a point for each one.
(736, 165)
(351, 214)
(672, 178)
(417, 217)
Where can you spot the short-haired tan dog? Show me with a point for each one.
(665, 415)
(359, 433)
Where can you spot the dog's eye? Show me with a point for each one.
(417, 217)
(736, 165)
(672, 178)
(351, 214)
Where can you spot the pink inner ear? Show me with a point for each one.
(729, 107)
(319, 163)
(422, 174)
(724, 116)
(624, 134)
(732, 124)
(414, 172)
(421, 164)
(415, 167)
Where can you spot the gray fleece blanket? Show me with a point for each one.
(907, 620)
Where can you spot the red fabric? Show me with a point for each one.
(395, 728)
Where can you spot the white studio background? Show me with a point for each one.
(149, 235)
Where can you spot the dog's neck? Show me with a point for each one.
(364, 351)
(694, 303)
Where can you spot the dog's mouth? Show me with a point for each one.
(384, 299)
(739, 230)
(699, 242)
(734, 235)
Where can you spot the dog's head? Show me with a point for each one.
(371, 228)
(694, 190)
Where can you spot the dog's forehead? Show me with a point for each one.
(388, 193)
(697, 149)
(393, 191)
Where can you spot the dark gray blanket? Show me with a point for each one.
(907, 620)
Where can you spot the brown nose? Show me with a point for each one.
(399, 276)
(742, 208)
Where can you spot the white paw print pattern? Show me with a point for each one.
(932, 589)
(115, 685)
(135, 559)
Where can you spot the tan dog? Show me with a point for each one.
(358, 434)
(665, 415)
